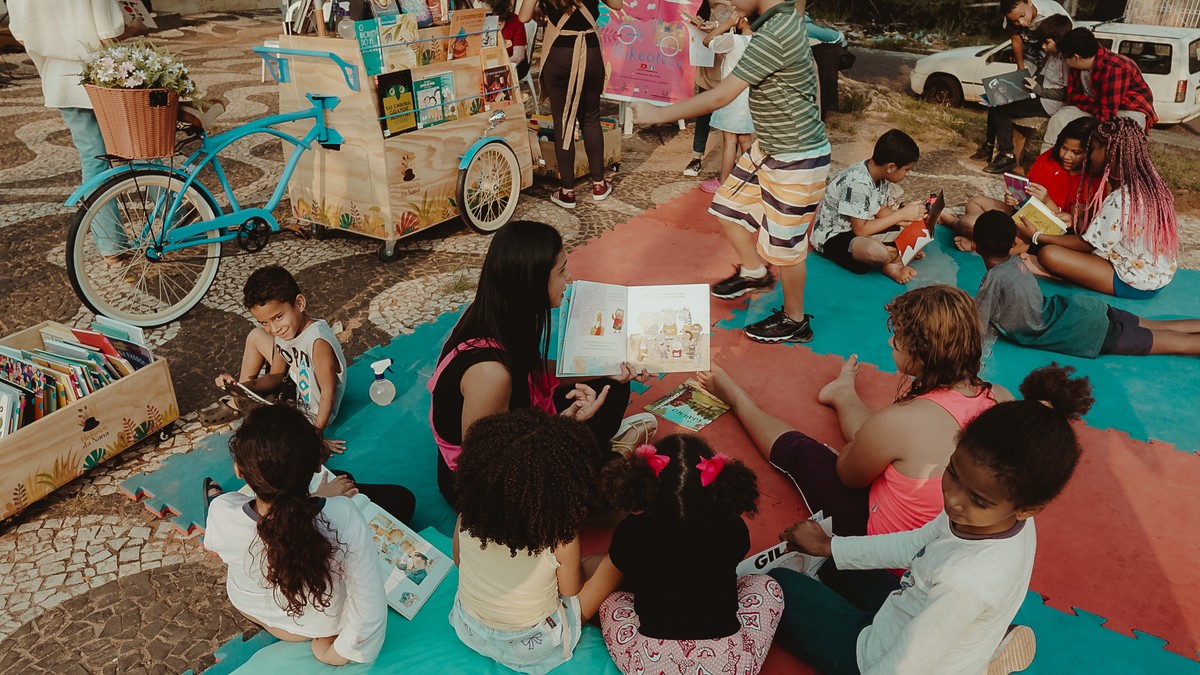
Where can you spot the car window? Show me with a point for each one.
(1154, 58)
(1003, 56)
(1194, 57)
(1105, 42)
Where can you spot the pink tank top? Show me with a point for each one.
(899, 503)
(541, 395)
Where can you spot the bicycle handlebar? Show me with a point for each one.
(279, 67)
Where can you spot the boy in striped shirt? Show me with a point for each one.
(767, 204)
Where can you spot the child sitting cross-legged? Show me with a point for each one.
(1011, 303)
(678, 554)
(968, 570)
(855, 209)
(523, 493)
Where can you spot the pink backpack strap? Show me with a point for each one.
(450, 451)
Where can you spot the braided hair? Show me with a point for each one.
(1148, 211)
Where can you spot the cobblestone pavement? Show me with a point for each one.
(94, 582)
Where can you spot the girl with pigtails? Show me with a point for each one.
(678, 555)
(303, 567)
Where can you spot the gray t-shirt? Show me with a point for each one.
(1011, 303)
(851, 194)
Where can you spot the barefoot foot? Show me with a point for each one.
(842, 384)
(964, 244)
(719, 384)
(901, 274)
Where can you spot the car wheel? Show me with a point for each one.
(943, 90)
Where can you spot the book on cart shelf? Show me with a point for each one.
(466, 32)
(435, 96)
(395, 96)
(491, 32)
(397, 36)
(498, 88)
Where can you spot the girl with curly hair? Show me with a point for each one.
(968, 570)
(496, 358)
(885, 478)
(678, 555)
(1130, 241)
(303, 567)
(523, 594)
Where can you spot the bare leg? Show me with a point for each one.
(743, 242)
(277, 632)
(260, 347)
(842, 396)
(603, 580)
(729, 154)
(1085, 269)
(793, 279)
(976, 207)
(1173, 342)
(1175, 325)
(764, 429)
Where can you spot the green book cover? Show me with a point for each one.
(395, 91)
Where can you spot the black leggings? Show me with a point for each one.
(395, 499)
(556, 73)
(603, 425)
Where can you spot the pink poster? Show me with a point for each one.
(646, 46)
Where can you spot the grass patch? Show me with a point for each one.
(1177, 167)
(854, 103)
(460, 283)
(918, 118)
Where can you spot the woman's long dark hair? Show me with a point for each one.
(277, 451)
(512, 303)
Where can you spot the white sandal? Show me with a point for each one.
(646, 426)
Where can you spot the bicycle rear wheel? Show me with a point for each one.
(107, 245)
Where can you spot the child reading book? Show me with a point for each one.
(968, 570)
(733, 120)
(288, 342)
(1011, 303)
(523, 493)
(302, 567)
(678, 554)
(855, 209)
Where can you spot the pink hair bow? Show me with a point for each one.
(656, 461)
(710, 468)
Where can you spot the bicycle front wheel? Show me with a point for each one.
(108, 242)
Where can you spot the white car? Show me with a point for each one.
(1168, 56)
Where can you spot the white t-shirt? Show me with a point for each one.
(851, 194)
(1131, 260)
(955, 602)
(357, 613)
(298, 353)
(58, 35)
(1044, 9)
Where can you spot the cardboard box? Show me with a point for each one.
(541, 143)
(51, 452)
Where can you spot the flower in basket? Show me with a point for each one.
(138, 65)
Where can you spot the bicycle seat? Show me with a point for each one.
(191, 114)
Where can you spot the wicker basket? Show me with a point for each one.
(136, 123)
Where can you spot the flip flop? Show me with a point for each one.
(646, 425)
(210, 485)
(223, 413)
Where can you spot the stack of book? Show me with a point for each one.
(74, 363)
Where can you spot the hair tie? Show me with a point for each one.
(710, 468)
(656, 461)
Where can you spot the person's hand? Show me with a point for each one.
(224, 380)
(628, 373)
(1030, 83)
(1010, 199)
(338, 486)
(644, 113)
(806, 536)
(584, 402)
(913, 211)
(334, 447)
(1024, 229)
(1039, 191)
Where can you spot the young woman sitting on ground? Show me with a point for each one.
(1054, 179)
(886, 478)
(1129, 245)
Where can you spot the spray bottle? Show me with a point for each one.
(382, 390)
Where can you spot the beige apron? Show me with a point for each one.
(579, 53)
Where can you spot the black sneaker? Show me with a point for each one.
(738, 285)
(1001, 164)
(779, 327)
(693, 167)
(984, 153)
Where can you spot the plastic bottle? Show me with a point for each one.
(382, 390)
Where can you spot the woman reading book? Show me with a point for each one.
(496, 358)
(1128, 248)
(887, 476)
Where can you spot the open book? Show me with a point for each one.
(1040, 217)
(779, 555)
(664, 329)
(918, 234)
(689, 405)
(1007, 88)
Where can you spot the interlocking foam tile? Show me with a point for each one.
(234, 654)
(427, 644)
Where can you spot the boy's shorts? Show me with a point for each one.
(1126, 335)
(837, 249)
(775, 197)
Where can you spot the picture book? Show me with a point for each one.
(1040, 217)
(466, 32)
(418, 10)
(247, 399)
(779, 555)
(1006, 88)
(689, 405)
(412, 567)
(366, 32)
(665, 329)
(1015, 185)
(119, 329)
(491, 33)
(432, 48)
(395, 94)
(498, 77)
(439, 10)
(95, 340)
(396, 38)
(135, 12)
(430, 102)
(382, 8)
(910, 239)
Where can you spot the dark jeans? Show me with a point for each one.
(1001, 119)
(700, 140)
(555, 77)
(827, 56)
(603, 425)
(818, 625)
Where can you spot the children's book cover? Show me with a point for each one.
(396, 36)
(498, 88)
(1039, 216)
(491, 32)
(366, 32)
(779, 555)
(466, 32)
(418, 10)
(412, 567)
(1015, 185)
(689, 405)
(450, 107)
(382, 8)
(395, 92)
(135, 12)
(430, 109)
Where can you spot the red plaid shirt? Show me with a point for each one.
(1117, 84)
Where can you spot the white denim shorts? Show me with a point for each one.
(537, 649)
